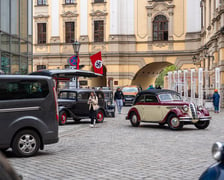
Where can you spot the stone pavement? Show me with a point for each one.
(116, 150)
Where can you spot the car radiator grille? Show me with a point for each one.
(193, 111)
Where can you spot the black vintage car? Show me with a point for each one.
(73, 104)
(109, 105)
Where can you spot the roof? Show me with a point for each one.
(157, 91)
(4, 76)
(65, 73)
(80, 90)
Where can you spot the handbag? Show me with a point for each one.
(96, 107)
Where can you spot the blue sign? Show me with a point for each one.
(74, 61)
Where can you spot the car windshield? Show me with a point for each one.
(130, 89)
(169, 97)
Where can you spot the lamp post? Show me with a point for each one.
(76, 46)
(195, 61)
(208, 56)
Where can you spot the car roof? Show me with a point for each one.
(65, 73)
(2, 76)
(80, 90)
(157, 91)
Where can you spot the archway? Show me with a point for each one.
(148, 74)
(99, 81)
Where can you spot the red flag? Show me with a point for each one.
(97, 63)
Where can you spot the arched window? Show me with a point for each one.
(160, 28)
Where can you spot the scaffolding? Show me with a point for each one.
(195, 85)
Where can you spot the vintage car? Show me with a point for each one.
(109, 105)
(215, 171)
(130, 93)
(166, 106)
(73, 104)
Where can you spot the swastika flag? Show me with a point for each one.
(96, 60)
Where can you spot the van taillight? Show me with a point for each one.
(56, 103)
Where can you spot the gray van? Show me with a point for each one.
(28, 113)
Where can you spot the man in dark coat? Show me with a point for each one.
(118, 98)
(216, 98)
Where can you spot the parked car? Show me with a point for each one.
(166, 107)
(215, 171)
(28, 113)
(109, 105)
(130, 93)
(73, 104)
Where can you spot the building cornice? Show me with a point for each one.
(98, 13)
(69, 14)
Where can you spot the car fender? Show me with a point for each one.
(215, 171)
(205, 112)
(28, 122)
(62, 108)
(133, 109)
(175, 111)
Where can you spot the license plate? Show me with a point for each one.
(129, 99)
(110, 110)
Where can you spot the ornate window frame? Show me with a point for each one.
(99, 16)
(41, 19)
(69, 16)
(160, 7)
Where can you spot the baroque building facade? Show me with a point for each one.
(137, 38)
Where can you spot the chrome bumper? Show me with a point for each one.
(189, 119)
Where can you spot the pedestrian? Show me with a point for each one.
(93, 107)
(151, 87)
(158, 87)
(216, 98)
(118, 98)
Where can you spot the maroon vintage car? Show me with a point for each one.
(166, 106)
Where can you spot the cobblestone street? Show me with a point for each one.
(116, 150)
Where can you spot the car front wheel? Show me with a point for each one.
(63, 117)
(174, 122)
(202, 124)
(100, 116)
(26, 143)
(134, 119)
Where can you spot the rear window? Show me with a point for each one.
(67, 95)
(130, 89)
(23, 89)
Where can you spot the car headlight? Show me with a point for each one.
(217, 151)
(185, 108)
(200, 108)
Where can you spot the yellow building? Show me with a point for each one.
(137, 38)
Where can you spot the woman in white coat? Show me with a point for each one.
(93, 107)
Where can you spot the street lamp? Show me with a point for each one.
(206, 53)
(195, 61)
(76, 46)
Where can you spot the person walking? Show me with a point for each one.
(216, 98)
(93, 107)
(118, 98)
(151, 87)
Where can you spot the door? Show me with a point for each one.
(152, 109)
(82, 108)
